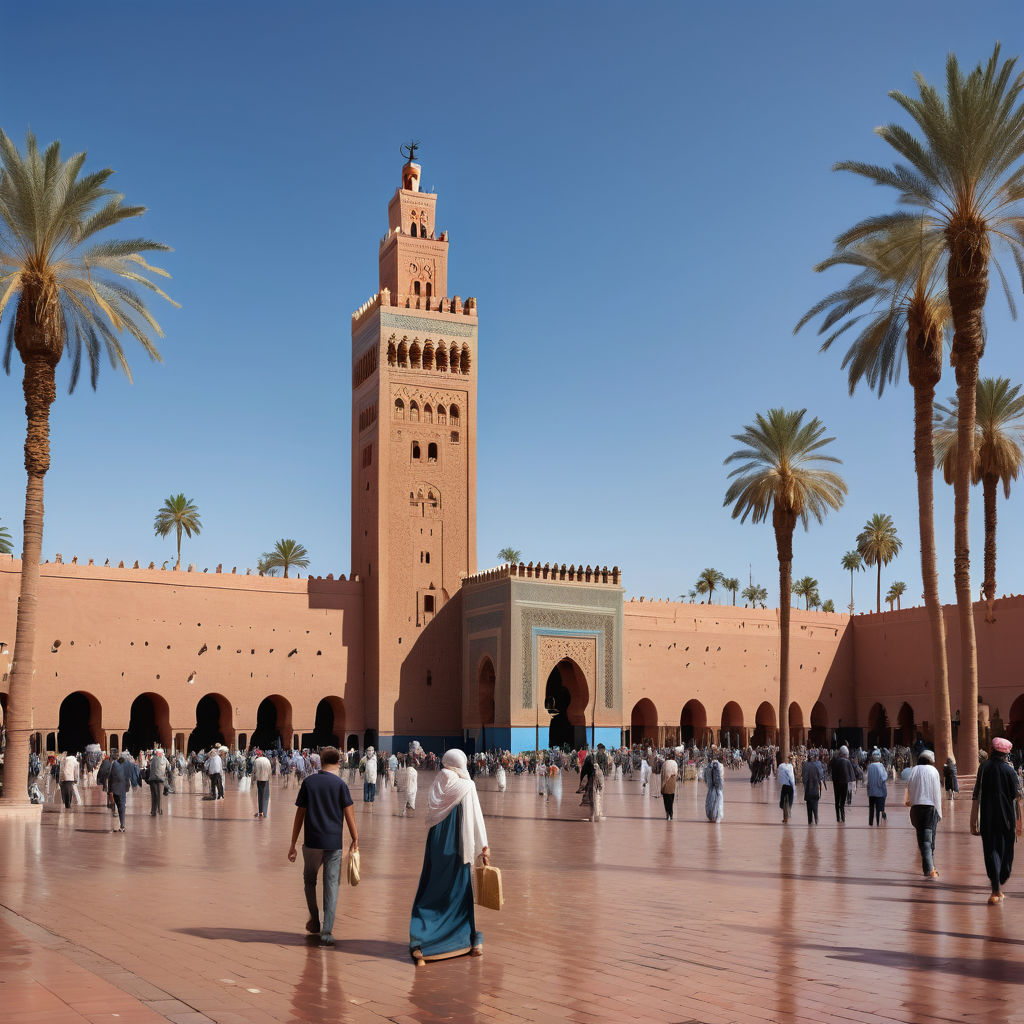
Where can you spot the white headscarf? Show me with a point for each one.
(669, 768)
(452, 787)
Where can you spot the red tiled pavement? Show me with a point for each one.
(197, 916)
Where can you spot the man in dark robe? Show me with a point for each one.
(996, 815)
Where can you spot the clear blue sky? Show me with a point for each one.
(636, 194)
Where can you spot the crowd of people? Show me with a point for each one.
(443, 922)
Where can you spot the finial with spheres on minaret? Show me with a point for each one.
(411, 171)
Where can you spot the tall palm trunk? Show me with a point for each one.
(878, 587)
(177, 564)
(784, 521)
(969, 251)
(990, 491)
(851, 591)
(924, 351)
(40, 391)
(286, 570)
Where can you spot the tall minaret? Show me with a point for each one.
(414, 367)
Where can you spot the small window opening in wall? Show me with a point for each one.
(428, 604)
(432, 452)
(412, 231)
(430, 680)
(428, 558)
(421, 558)
(415, 287)
(455, 437)
(415, 449)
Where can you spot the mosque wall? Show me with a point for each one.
(894, 668)
(114, 634)
(716, 667)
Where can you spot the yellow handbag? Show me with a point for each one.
(488, 887)
(352, 868)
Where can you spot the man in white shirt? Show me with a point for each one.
(924, 798)
(215, 769)
(787, 784)
(261, 775)
(69, 772)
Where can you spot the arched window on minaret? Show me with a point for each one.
(414, 412)
(412, 229)
(403, 354)
(441, 357)
(464, 359)
(453, 413)
(428, 356)
(414, 355)
(428, 414)
(432, 452)
(429, 291)
(442, 415)
(453, 359)
(416, 451)
(399, 409)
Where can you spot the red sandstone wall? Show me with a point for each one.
(675, 652)
(893, 663)
(125, 632)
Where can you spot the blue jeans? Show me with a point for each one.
(369, 792)
(263, 797)
(331, 861)
(925, 820)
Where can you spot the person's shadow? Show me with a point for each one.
(318, 996)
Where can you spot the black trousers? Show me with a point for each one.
(812, 809)
(876, 810)
(67, 792)
(156, 792)
(998, 849)
(217, 785)
(263, 796)
(670, 799)
(839, 790)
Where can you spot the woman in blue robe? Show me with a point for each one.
(443, 923)
(714, 779)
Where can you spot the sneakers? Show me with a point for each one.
(313, 926)
(326, 939)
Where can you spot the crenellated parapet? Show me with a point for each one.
(431, 303)
(596, 575)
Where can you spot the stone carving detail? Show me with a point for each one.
(552, 618)
(581, 649)
(421, 323)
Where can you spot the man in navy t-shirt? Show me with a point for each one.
(324, 807)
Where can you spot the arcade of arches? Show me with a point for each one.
(82, 719)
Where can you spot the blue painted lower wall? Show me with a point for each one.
(517, 739)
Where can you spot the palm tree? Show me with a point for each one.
(753, 593)
(781, 473)
(6, 544)
(510, 556)
(731, 584)
(897, 304)
(264, 568)
(805, 587)
(965, 173)
(998, 457)
(707, 581)
(286, 553)
(177, 513)
(879, 544)
(828, 606)
(68, 299)
(896, 591)
(852, 561)
(691, 595)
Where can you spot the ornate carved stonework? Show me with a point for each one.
(555, 619)
(421, 323)
(581, 649)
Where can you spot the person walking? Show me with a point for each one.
(118, 784)
(215, 770)
(669, 778)
(841, 770)
(412, 786)
(714, 779)
(443, 923)
(878, 789)
(156, 776)
(787, 788)
(370, 776)
(261, 770)
(323, 809)
(996, 815)
(812, 775)
(69, 775)
(949, 778)
(924, 798)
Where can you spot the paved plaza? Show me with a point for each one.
(198, 916)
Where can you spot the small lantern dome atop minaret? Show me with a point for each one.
(411, 171)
